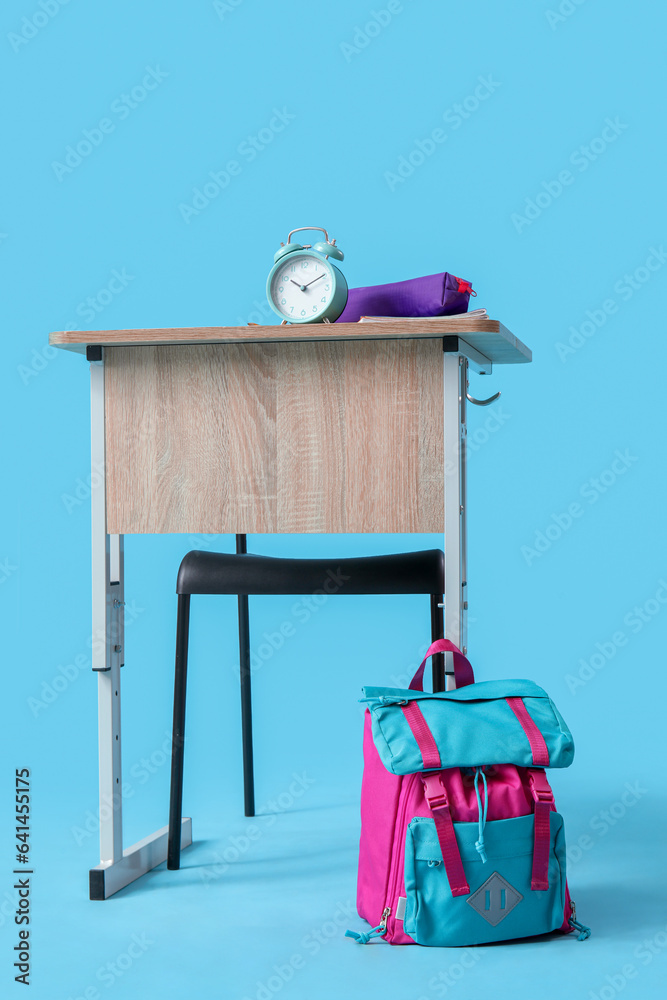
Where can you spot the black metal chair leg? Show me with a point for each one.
(246, 708)
(246, 693)
(437, 632)
(178, 734)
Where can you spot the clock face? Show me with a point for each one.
(302, 287)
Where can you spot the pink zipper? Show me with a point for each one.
(397, 855)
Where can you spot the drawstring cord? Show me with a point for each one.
(479, 844)
(363, 937)
(584, 931)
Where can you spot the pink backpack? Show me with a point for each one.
(461, 843)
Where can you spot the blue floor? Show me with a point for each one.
(260, 907)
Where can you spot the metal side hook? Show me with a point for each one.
(482, 402)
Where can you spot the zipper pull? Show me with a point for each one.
(363, 937)
(584, 932)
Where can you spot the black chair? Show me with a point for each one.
(243, 574)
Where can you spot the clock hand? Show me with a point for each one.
(316, 279)
(304, 287)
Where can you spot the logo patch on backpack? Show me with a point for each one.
(495, 899)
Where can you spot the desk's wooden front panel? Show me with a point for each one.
(342, 436)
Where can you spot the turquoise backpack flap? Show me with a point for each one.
(493, 722)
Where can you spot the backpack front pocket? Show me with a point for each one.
(501, 904)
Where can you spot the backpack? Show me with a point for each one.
(461, 843)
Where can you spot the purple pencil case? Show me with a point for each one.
(433, 295)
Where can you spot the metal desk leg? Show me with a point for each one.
(117, 867)
(456, 605)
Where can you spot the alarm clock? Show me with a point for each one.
(304, 286)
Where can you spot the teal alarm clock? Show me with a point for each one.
(304, 286)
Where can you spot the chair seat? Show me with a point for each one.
(222, 573)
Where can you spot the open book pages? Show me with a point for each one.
(473, 315)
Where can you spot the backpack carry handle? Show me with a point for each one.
(463, 673)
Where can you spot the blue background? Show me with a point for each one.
(361, 101)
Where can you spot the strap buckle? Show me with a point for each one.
(435, 792)
(539, 786)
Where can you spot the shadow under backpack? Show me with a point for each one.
(461, 843)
